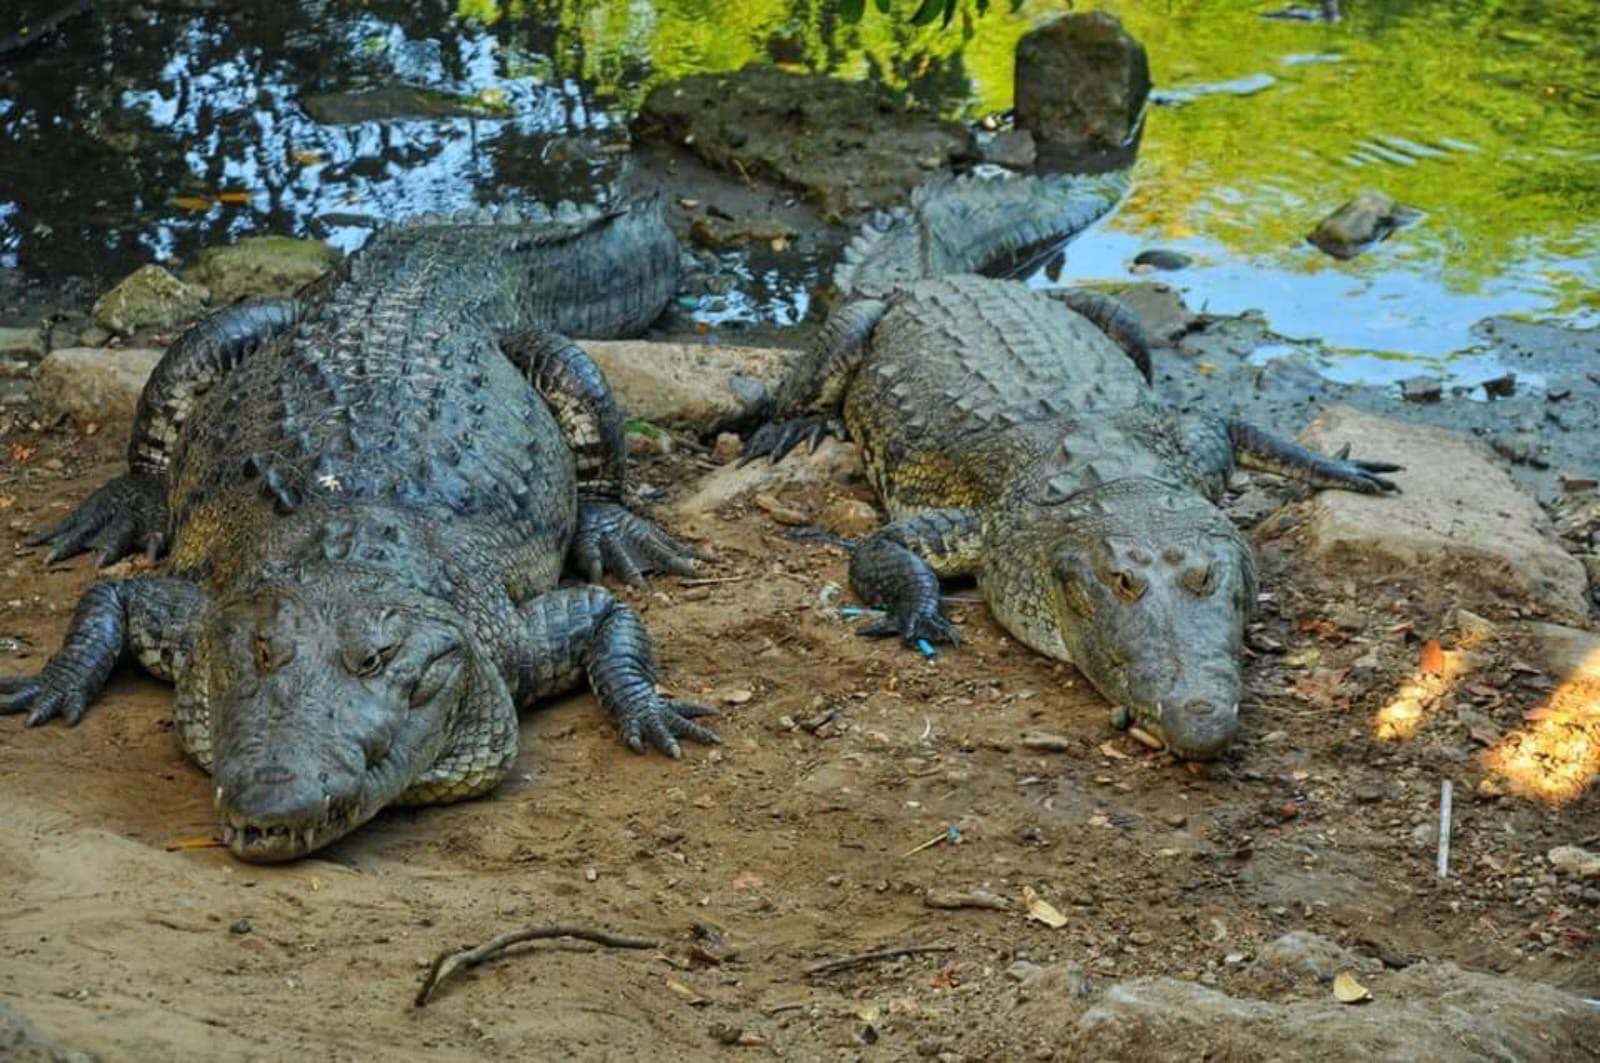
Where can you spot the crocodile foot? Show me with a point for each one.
(661, 722)
(1361, 475)
(126, 514)
(778, 438)
(913, 624)
(612, 538)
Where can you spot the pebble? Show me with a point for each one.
(1160, 258)
(726, 450)
(1422, 389)
(1046, 742)
(1575, 860)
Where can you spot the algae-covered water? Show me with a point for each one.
(145, 133)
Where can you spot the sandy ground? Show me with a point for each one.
(801, 839)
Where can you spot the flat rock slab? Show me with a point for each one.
(93, 385)
(691, 386)
(260, 266)
(844, 145)
(1460, 523)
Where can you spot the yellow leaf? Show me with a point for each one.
(234, 197)
(1042, 910)
(192, 202)
(1205, 368)
(307, 158)
(1346, 990)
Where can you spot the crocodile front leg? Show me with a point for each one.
(153, 618)
(1256, 448)
(898, 568)
(579, 631)
(1111, 316)
(130, 512)
(610, 536)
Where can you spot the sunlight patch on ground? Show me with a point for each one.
(1558, 755)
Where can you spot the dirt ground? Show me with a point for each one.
(803, 838)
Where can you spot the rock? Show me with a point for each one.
(844, 145)
(1011, 148)
(23, 1042)
(687, 386)
(149, 297)
(1058, 983)
(1301, 956)
(1079, 87)
(1161, 258)
(1460, 528)
(1428, 1011)
(720, 233)
(1422, 389)
(834, 462)
(21, 344)
(93, 385)
(1363, 221)
(727, 448)
(399, 101)
(260, 266)
(850, 518)
(1575, 861)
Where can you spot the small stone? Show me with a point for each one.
(1365, 220)
(21, 344)
(590, 875)
(260, 266)
(1012, 148)
(727, 448)
(1175, 820)
(93, 385)
(1422, 389)
(150, 297)
(1160, 258)
(240, 926)
(850, 518)
(1574, 860)
(1046, 742)
(1022, 971)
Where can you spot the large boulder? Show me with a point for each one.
(1460, 529)
(1080, 87)
(260, 266)
(149, 298)
(844, 145)
(93, 385)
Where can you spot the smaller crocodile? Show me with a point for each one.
(1011, 440)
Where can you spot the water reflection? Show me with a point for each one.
(147, 135)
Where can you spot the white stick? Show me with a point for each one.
(1445, 791)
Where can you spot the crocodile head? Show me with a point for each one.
(1146, 591)
(327, 697)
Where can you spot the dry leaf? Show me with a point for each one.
(695, 999)
(1109, 750)
(1042, 910)
(236, 198)
(192, 202)
(1346, 990)
(1204, 368)
(1432, 658)
(21, 453)
(307, 158)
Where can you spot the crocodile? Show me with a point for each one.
(366, 502)
(1010, 439)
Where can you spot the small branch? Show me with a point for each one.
(449, 962)
(706, 581)
(1444, 828)
(845, 963)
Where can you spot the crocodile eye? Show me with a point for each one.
(368, 663)
(1198, 580)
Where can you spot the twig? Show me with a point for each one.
(448, 963)
(1445, 793)
(844, 963)
(703, 581)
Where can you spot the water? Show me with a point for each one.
(148, 135)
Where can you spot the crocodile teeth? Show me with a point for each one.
(308, 839)
(216, 799)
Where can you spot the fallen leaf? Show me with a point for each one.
(1204, 368)
(1432, 658)
(1109, 750)
(21, 453)
(7, 501)
(192, 202)
(235, 198)
(1042, 910)
(695, 999)
(307, 158)
(1346, 990)
(204, 841)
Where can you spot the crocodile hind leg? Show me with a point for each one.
(152, 618)
(577, 631)
(610, 536)
(898, 568)
(130, 512)
(817, 382)
(1111, 316)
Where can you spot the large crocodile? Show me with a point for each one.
(368, 503)
(1011, 440)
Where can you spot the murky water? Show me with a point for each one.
(147, 134)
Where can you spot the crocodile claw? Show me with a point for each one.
(126, 514)
(1363, 476)
(912, 625)
(660, 723)
(613, 539)
(56, 691)
(778, 438)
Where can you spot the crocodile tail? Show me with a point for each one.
(973, 224)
